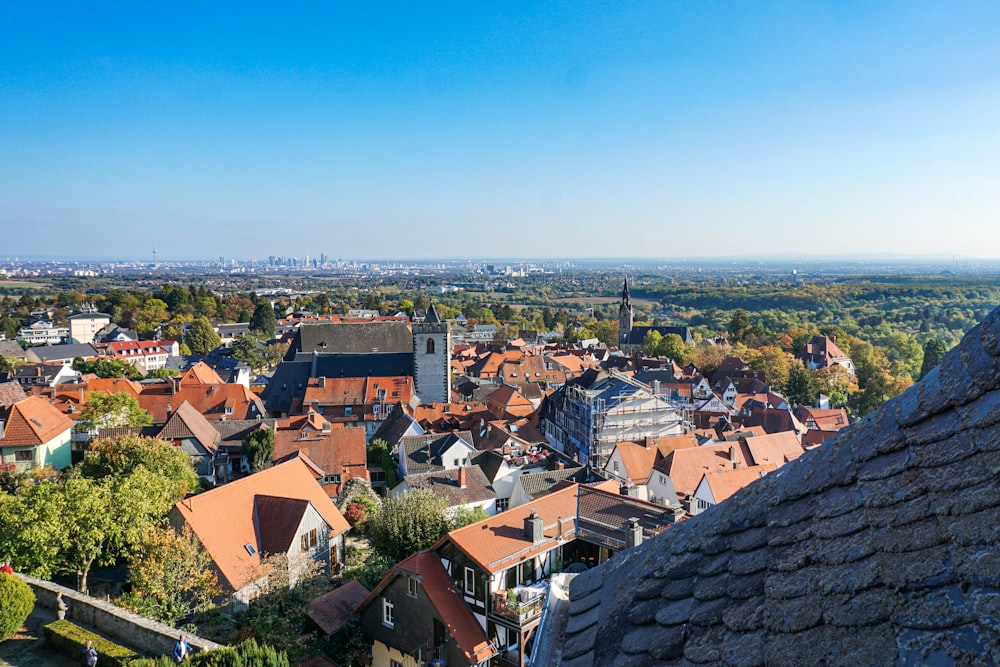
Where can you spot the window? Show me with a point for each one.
(430, 346)
(615, 464)
(502, 504)
(411, 586)
(395, 663)
(455, 462)
(24, 456)
(347, 411)
(331, 479)
(309, 540)
(663, 479)
(387, 614)
(470, 581)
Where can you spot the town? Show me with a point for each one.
(421, 481)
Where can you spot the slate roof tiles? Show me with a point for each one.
(878, 548)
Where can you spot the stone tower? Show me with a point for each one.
(432, 358)
(624, 315)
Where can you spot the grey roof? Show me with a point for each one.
(11, 392)
(47, 371)
(538, 484)
(288, 383)
(352, 337)
(383, 364)
(393, 428)
(87, 316)
(877, 548)
(423, 452)
(445, 483)
(46, 353)
(232, 431)
(11, 350)
(637, 335)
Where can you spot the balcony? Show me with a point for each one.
(520, 605)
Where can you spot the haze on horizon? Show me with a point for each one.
(500, 129)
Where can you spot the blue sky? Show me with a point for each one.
(559, 129)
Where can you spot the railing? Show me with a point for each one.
(519, 610)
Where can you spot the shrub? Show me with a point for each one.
(16, 602)
(247, 654)
(69, 638)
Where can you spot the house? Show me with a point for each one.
(332, 611)
(360, 401)
(822, 352)
(61, 354)
(678, 474)
(416, 616)
(280, 510)
(631, 462)
(147, 355)
(11, 350)
(501, 565)
(43, 332)
(462, 488)
(717, 485)
(506, 402)
(33, 434)
(588, 416)
(187, 429)
(84, 327)
(44, 375)
(206, 392)
(10, 393)
(434, 452)
(531, 485)
(338, 453)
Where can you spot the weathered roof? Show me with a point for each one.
(277, 520)
(877, 548)
(46, 353)
(11, 392)
(423, 452)
(186, 422)
(445, 483)
(333, 610)
(352, 337)
(538, 484)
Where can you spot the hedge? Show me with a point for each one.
(16, 602)
(247, 654)
(68, 638)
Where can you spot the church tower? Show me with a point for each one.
(624, 315)
(432, 358)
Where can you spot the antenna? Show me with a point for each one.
(154, 256)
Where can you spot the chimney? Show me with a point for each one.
(38, 371)
(82, 396)
(322, 382)
(170, 409)
(559, 527)
(633, 534)
(461, 478)
(678, 513)
(732, 453)
(533, 528)
(52, 393)
(560, 465)
(690, 504)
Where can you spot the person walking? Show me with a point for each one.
(88, 655)
(181, 649)
(61, 606)
(6, 568)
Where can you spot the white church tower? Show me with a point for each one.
(432, 358)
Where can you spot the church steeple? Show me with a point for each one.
(624, 315)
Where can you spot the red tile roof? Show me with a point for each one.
(337, 451)
(34, 422)
(224, 518)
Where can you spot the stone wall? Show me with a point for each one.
(123, 627)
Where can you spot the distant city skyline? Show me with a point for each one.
(565, 130)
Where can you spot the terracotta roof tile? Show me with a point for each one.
(34, 422)
(724, 483)
(332, 611)
(225, 540)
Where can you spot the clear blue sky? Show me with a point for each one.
(562, 129)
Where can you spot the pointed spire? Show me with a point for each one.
(625, 295)
(432, 315)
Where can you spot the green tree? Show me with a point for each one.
(146, 320)
(201, 337)
(126, 456)
(258, 448)
(16, 602)
(463, 516)
(905, 349)
(934, 351)
(673, 347)
(802, 386)
(91, 526)
(263, 322)
(162, 373)
(32, 531)
(246, 349)
(107, 368)
(739, 325)
(776, 364)
(408, 523)
(112, 411)
(651, 343)
(171, 576)
(380, 456)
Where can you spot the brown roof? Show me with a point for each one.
(277, 520)
(225, 539)
(775, 448)
(186, 422)
(498, 542)
(724, 483)
(685, 467)
(211, 400)
(200, 373)
(332, 611)
(445, 483)
(507, 401)
(11, 392)
(337, 451)
(457, 617)
(34, 422)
